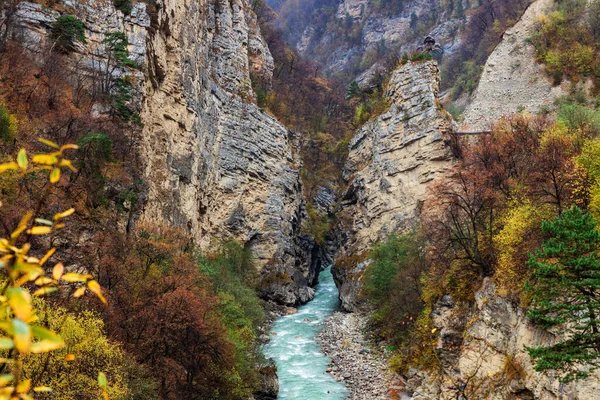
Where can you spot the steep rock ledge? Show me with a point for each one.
(392, 160)
(512, 79)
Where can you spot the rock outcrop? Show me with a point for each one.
(512, 79)
(493, 355)
(391, 162)
(215, 164)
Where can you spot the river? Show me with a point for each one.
(300, 362)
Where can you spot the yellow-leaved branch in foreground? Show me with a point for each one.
(23, 275)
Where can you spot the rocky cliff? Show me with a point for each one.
(215, 164)
(512, 79)
(391, 162)
(485, 352)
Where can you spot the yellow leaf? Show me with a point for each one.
(45, 290)
(45, 346)
(22, 225)
(6, 343)
(39, 230)
(42, 389)
(45, 159)
(59, 226)
(69, 146)
(64, 214)
(79, 292)
(24, 386)
(55, 175)
(46, 257)
(73, 277)
(70, 357)
(49, 340)
(433, 330)
(44, 280)
(58, 271)
(21, 335)
(20, 302)
(22, 159)
(95, 288)
(8, 166)
(48, 143)
(67, 163)
(6, 379)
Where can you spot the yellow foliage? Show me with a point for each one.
(19, 314)
(72, 371)
(520, 222)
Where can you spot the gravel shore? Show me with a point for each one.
(355, 361)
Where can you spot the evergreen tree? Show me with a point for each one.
(353, 91)
(565, 291)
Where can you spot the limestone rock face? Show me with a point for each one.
(215, 164)
(495, 338)
(512, 79)
(391, 162)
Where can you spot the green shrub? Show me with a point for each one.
(8, 125)
(66, 31)
(392, 283)
(578, 117)
(233, 274)
(124, 6)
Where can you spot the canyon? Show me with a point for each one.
(220, 168)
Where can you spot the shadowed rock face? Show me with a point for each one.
(392, 160)
(215, 164)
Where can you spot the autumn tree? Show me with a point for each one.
(565, 291)
(165, 313)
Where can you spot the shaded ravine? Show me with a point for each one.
(301, 364)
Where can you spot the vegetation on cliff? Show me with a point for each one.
(483, 220)
(567, 41)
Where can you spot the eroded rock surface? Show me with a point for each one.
(493, 355)
(392, 160)
(512, 79)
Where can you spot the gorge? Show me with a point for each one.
(310, 199)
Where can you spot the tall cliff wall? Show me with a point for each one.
(391, 162)
(215, 164)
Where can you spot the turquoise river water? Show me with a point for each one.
(300, 363)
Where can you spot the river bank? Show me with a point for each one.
(354, 361)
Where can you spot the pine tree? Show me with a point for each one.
(565, 291)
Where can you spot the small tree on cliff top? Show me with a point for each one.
(565, 290)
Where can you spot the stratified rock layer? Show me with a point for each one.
(492, 354)
(392, 160)
(217, 164)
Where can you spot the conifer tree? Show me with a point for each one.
(565, 291)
